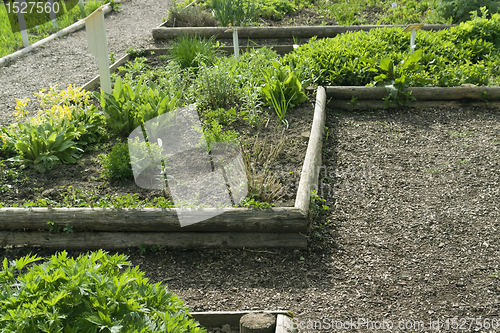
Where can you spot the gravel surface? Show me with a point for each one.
(67, 60)
(412, 234)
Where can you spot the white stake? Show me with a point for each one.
(412, 28)
(235, 41)
(53, 14)
(96, 37)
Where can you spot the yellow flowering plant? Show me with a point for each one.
(65, 122)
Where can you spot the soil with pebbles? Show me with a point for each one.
(412, 233)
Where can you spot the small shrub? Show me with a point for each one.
(87, 294)
(190, 17)
(459, 10)
(117, 163)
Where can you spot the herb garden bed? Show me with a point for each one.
(96, 227)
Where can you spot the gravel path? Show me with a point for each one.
(67, 60)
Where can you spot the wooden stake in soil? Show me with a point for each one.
(258, 322)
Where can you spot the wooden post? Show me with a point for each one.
(258, 323)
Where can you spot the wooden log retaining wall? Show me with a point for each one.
(163, 32)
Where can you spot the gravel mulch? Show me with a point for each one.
(412, 233)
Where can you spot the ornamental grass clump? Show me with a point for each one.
(191, 51)
(93, 293)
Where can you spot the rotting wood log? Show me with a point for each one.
(276, 219)
(379, 104)
(312, 161)
(276, 32)
(258, 322)
(170, 240)
(420, 93)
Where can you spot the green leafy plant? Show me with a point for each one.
(87, 294)
(128, 107)
(252, 203)
(393, 77)
(136, 53)
(53, 227)
(212, 133)
(116, 164)
(317, 205)
(282, 89)
(44, 145)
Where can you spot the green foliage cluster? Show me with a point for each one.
(87, 294)
(191, 51)
(464, 54)
(116, 164)
(129, 106)
(283, 88)
(459, 10)
(57, 134)
(233, 12)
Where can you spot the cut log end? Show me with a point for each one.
(258, 322)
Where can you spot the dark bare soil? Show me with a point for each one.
(412, 233)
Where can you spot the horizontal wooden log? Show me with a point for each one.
(276, 32)
(420, 93)
(310, 168)
(232, 318)
(379, 104)
(277, 219)
(170, 240)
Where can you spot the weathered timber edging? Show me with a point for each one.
(280, 49)
(371, 97)
(162, 32)
(312, 162)
(281, 227)
(277, 219)
(471, 92)
(217, 319)
(72, 28)
(171, 240)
